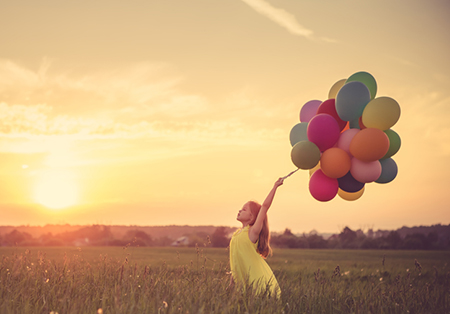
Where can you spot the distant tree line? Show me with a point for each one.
(349, 239)
(101, 235)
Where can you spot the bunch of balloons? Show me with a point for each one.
(346, 141)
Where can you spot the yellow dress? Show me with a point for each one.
(248, 267)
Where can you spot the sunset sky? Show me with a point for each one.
(178, 112)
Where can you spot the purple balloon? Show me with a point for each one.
(323, 130)
(309, 110)
(349, 184)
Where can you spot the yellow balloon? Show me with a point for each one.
(350, 196)
(312, 170)
(335, 88)
(381, 113)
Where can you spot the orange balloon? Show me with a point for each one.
(335, 162)
(369, 145)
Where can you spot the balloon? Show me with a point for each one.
(329, 107)
(388, 171)
(350, 184)
(305, 155)
(323, 130)
(351, 100)
(350, 196)
(309, 110)
(361, 124)
(335, 162)
(394, 143)
(369, 145)
(367, 79)
(335, 88)
(381, 113)
(347, 126)
(312, 170)
(298, 133)
(365, 171)
(345, 139)
(321, 187)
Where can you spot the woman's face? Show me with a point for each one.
(245, 215)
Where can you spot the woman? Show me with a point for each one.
(250, 246)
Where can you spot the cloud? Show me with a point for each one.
(140, 101)
(280, 16)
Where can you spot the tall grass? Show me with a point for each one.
(195, 280)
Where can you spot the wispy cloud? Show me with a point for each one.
(281, 17)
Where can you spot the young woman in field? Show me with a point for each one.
(249, 247)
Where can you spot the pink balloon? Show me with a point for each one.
(329, 107)
(309, 110)
(345, 139)
(365, 172)
(323, 188)
(323, 130)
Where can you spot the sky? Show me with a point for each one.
(178, 112)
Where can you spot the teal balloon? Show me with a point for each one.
(298, 133)
(354, 124)
(351, 100)
(367, 79)
(388, 170)
(394, 143)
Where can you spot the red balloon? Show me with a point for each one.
(323, 130)
(323, 188)
(329, 107)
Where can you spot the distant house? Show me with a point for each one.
(182, 241)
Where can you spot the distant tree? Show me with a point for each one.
(15, 237)
(348, 238)
(220, 238)
(316, 241)
(163, 241)
(415, 241)
(393, 240)
(289, 240)
(137, 238)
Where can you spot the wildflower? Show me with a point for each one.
(381, 279)
(418, 266)
(165, 304)
(100, 311)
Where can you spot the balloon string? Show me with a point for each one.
(290, 174)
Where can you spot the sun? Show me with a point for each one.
(56, 189)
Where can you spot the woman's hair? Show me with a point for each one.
(263, 248)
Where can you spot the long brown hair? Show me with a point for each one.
(263, 248)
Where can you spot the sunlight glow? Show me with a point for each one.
(56, 189)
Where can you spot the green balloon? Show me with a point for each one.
(394, 143)
(367, 79)
(305, 155)
(298, 133)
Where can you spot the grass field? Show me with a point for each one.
(195, 280)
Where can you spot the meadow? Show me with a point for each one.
(196, 280)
